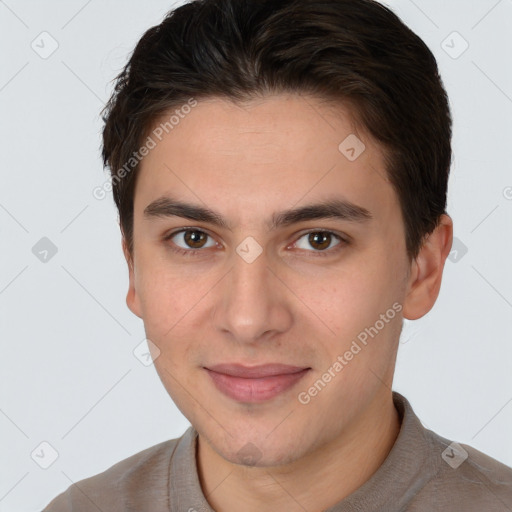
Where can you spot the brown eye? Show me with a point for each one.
(195, 239)
(190, 239)
(320, 241)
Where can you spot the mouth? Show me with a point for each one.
(255, 384)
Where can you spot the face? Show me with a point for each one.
(252, 283)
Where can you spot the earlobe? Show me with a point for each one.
(427, 271)
(132, 298)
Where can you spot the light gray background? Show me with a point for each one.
(68, 373)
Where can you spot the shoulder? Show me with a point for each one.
(468, 479)
(124, 486)
(446, 475)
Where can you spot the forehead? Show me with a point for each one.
(246, 157)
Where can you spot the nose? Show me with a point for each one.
(252, 304)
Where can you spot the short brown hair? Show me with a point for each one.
(353, 51)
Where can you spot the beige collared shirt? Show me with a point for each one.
(422, 472)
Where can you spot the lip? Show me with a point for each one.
(255, 383)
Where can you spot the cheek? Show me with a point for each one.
(173, 310)
(164, 294)
(352, 299)
(163, 302)
(351, 303)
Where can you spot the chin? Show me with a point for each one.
(258, 450)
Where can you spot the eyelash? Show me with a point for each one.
(322, 253)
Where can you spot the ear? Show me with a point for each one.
(427, 270)
(132, 298)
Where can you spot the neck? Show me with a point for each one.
(339, 468)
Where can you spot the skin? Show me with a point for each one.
(289, 305)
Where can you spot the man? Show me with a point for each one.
(280, 169)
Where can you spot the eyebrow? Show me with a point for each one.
(329, 209)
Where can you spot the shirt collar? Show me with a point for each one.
(404, 471)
